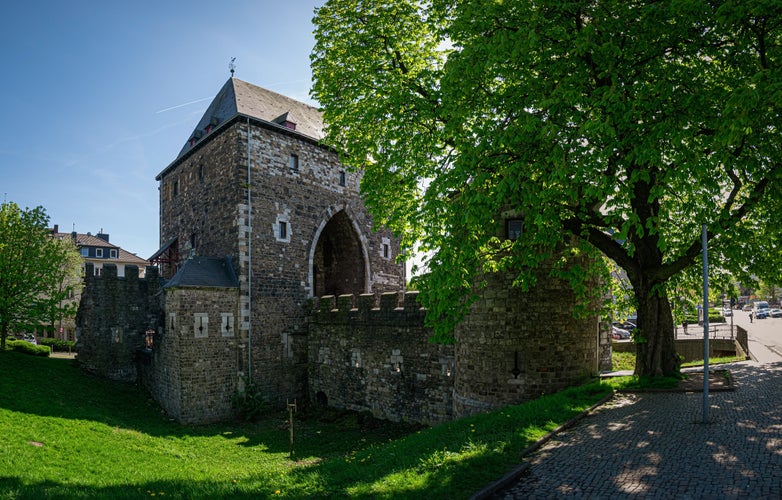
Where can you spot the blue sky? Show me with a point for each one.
(99, 96)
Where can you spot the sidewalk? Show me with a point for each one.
(656, 445)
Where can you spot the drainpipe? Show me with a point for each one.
(249, 262)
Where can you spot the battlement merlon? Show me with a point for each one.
(390, 306)
(109, 271)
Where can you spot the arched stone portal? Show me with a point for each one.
(338, 266)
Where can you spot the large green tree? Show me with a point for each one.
(38, 272)
(622, 125)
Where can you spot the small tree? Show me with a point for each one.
(37, 271)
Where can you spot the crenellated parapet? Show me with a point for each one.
(371, 352)
(397, 308)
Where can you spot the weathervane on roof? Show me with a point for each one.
(232, 66)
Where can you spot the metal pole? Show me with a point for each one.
(705, 326)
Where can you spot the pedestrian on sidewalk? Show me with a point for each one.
(684, 326)
(751, 316)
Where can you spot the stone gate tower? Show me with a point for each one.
(254, 193)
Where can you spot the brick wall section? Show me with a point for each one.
(377, 358)
(194, 366)
(114, 313)
(514, 346)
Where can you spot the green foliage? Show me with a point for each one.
(621, 361)
(626, 125)
(38, 272)
(27, 348)
(58, 344)
(250, 403)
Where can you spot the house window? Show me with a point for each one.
(283, 230)
(176, 187)
(513, 229)
(201, 174)
(113, 253)
(385, 251)
(294, 163)
(342, 178)
(85, 252)
(98, 252)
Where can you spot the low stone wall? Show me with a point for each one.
(377, 358)
(692, 349)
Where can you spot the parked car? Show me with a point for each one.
(747, 307)
(762, 313)
(625, 325)
(29, 337)
(775, 313)
(619, 333)
(727, 312)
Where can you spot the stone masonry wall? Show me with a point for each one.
(114, 313)
(514, 346)
(378, 358)
(204, 203)
(194, 369)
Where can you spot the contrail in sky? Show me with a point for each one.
(182, 105)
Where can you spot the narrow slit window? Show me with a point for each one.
(342, 178)
(294, 163)
(283, 230)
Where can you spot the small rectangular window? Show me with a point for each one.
(385, 250)
(513, 229)
(342, 178)
(283, 229)
(294, 163)
(85, 252)
(99, 252)
(176, 187)
(113, 253)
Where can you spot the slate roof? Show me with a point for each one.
(91, 240)
(88, 240)
(238, 97)
(205, 272)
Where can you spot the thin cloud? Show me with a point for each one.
(183, 105)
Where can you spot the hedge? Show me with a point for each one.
(28, 348)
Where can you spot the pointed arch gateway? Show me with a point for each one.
(339, 260)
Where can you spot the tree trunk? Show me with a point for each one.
(655, 346)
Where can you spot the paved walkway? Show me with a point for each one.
(656, 445)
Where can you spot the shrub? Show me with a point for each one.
(28, 348)
(58, 344)
(250, 403)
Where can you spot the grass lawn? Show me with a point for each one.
(65, 434)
